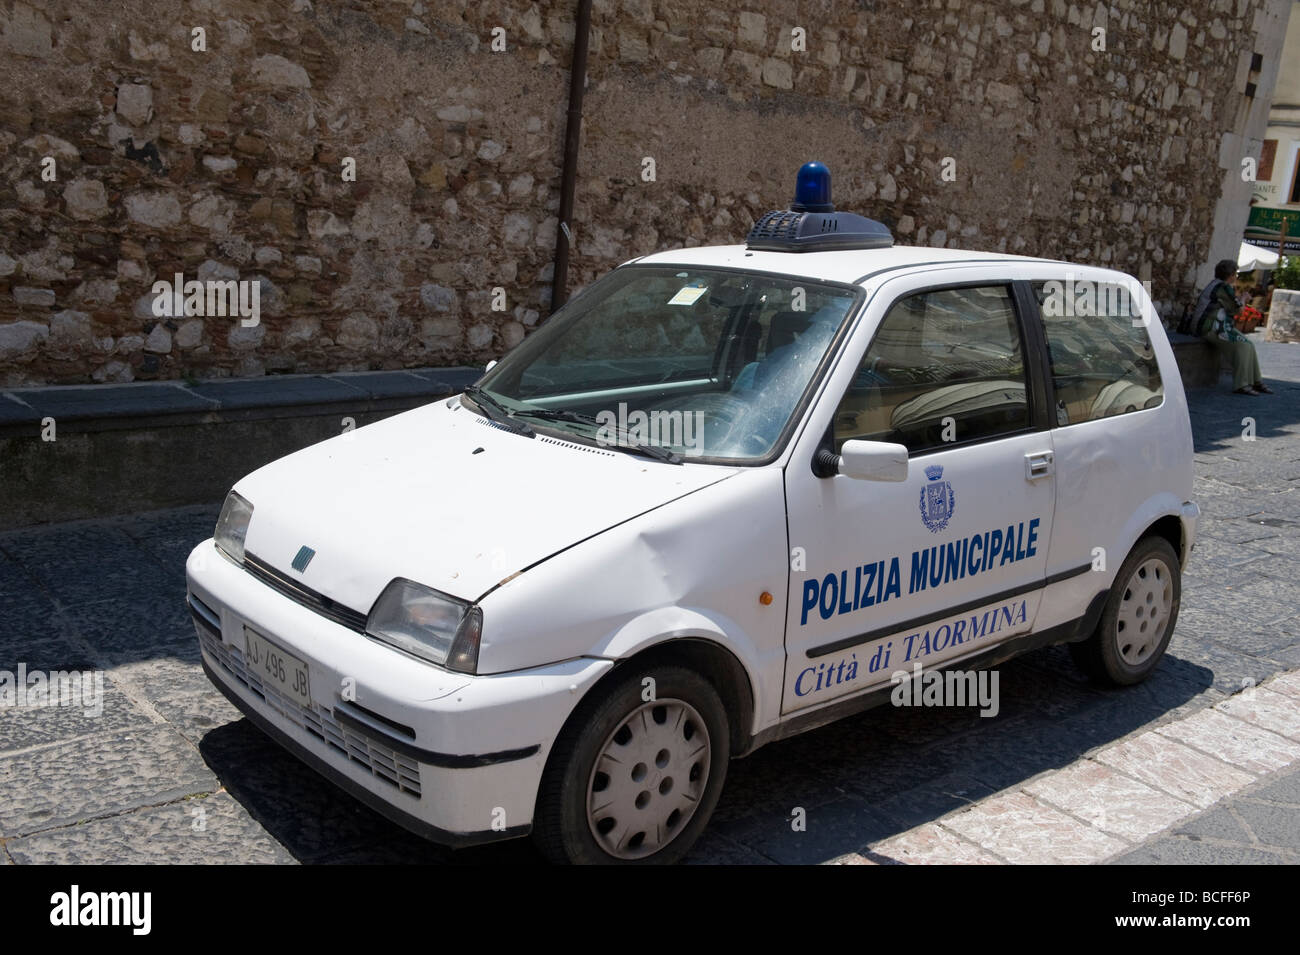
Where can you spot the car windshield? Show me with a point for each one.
(707, 364)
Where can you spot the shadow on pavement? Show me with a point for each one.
(859, 781)
(314, 820)
(1217, 413)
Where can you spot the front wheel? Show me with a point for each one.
(1138, 619)
(636, 772)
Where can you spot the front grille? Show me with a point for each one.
(299, 593)
(384, 763)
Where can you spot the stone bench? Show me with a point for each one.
(1199, 363)
(123, 448)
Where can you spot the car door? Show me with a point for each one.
(950, 561)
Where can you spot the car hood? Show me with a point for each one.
(442, 496)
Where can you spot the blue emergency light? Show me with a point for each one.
(811, 224)
(812, 189)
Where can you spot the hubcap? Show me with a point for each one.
(648, 779)
(1144, 612)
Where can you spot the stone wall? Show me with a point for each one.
(966, 124)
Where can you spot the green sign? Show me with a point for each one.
(1270, 220)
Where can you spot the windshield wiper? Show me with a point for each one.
(649, 451)
(496, 411)
(557, 414)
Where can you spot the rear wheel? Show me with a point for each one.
(636, 772)
(1138, 619)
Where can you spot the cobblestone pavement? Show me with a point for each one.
(170, 772)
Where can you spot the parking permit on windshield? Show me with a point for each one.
(688, 295)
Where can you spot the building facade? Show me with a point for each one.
(1275, 202)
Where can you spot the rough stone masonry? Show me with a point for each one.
(388, 172)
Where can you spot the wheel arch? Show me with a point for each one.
(1161, 515)
(1170, 527)
(712, 661)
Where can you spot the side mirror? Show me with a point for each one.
(490, 365)
(872, 461)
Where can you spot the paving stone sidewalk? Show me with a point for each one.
(170, 772)
(1259, 825)
(1149, 786)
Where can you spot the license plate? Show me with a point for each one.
(281, 670)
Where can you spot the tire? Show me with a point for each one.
(666, 786)
(1138, 619)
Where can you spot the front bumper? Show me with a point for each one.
(454, 758)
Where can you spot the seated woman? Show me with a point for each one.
(1215, 310)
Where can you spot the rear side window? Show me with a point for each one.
(945, 367)
(1101, 356)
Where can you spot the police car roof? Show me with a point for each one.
(849, 266)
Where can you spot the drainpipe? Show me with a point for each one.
(572, 134)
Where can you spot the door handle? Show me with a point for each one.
(1038, 464)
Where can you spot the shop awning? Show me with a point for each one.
(1252, 257)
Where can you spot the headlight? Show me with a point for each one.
(232, 526)
(427, 624)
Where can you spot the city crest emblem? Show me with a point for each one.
(937, 500)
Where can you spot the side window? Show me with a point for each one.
(945, 367)
(1101, 356)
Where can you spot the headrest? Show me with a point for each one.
(786, 327)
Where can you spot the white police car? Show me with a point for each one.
(720, 498)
